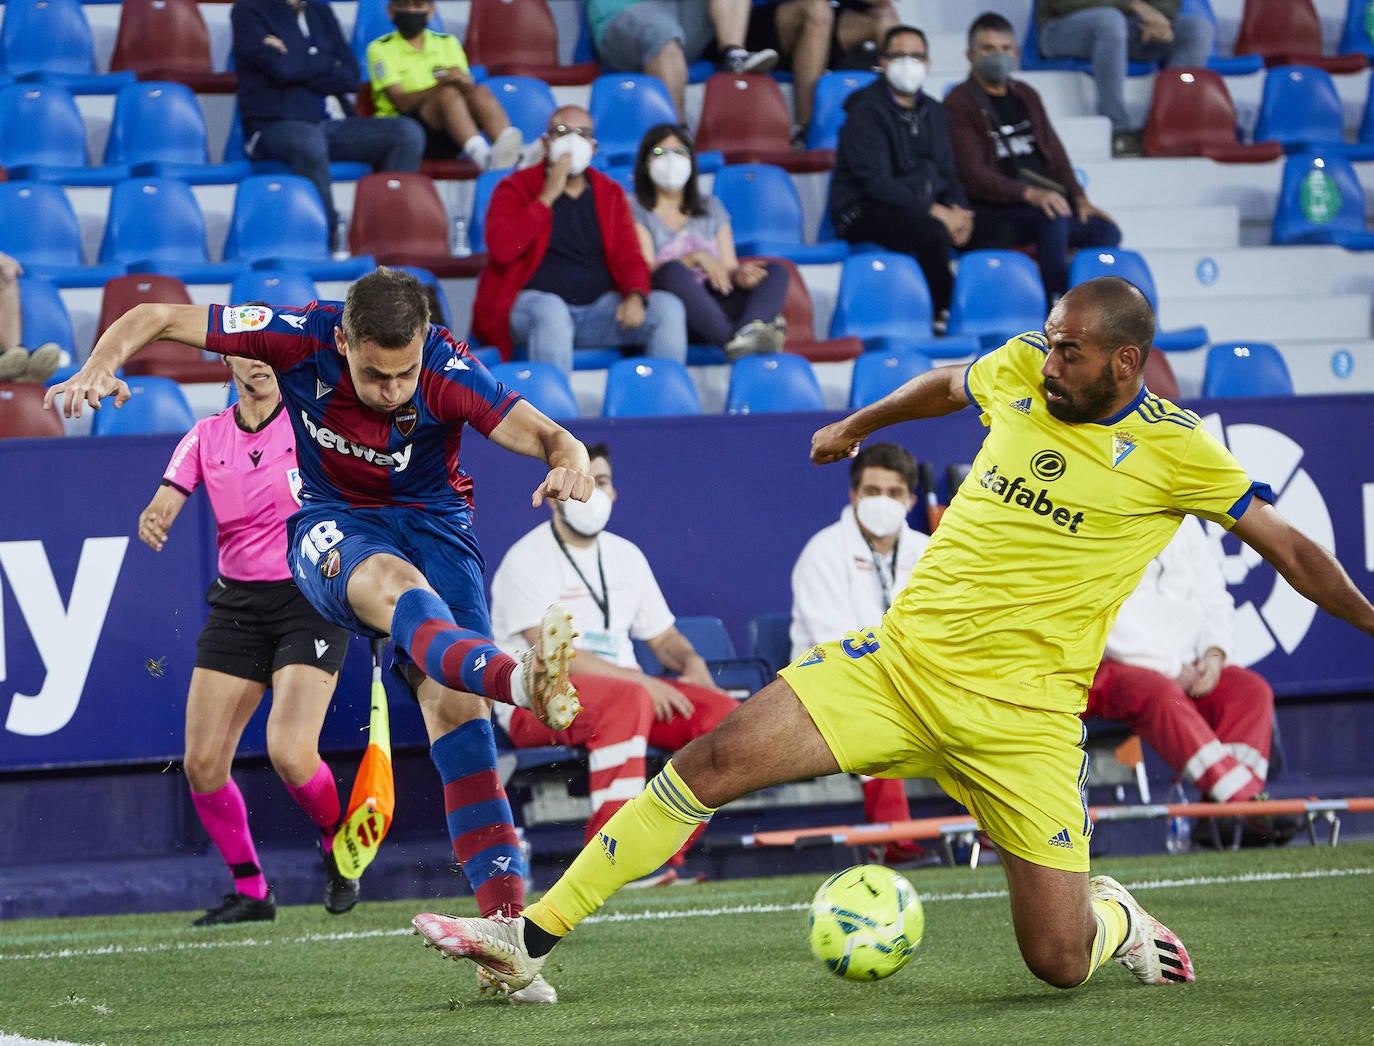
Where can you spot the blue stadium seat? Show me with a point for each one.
(623, 107)
(481, 200)
(43, 138)
(50, 40)
(878, 373)
(770, 639)
(1228, 65)
(773, 382)
(1321, 201)
(1301, 110)
(44, 314)
(279, 222)
(528, 103)
(39, 227)
(832, 91)
(155, 225)
(643, 387)
(997, 295)
(1091, 262)
(543, 384)
(884, 300)
(766, 214)
(429, 280)
(489, 355)
(1357, 34)
(155, 405)
(711, 640)
(158, 129)
(1253, 368)
(289, 287)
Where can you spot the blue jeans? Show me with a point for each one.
(1109, 39)
(550, 328)
(394, 144)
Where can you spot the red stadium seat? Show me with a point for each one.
(1191, 114)
(399, 219)
(745, 116)
(168, 40)
(164, 359)
(22, 412)
(1159, 375)
(1289, 32)
(801, 322)
(520, 38)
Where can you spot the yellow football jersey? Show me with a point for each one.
(1051, 531)
(392, 60)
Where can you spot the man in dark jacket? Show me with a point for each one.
(895, 182)
(294, 67)
(1013, 165)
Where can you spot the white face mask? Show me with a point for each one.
(575, 146)
(670, 171)
(906, 75)
(882, 517)
(588, 518)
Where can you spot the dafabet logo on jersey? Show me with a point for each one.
(239, 319)
(1048, 465)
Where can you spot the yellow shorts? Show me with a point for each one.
(1020, 771)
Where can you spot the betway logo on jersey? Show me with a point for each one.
(331, 440)
(1015, 492)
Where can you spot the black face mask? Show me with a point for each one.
(410, 24)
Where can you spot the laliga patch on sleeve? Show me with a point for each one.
(239, 319)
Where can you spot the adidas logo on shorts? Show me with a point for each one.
(1061, 838)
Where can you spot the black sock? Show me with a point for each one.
(538, 941)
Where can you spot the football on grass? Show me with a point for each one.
(865, 922)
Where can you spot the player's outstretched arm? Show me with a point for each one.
(142, 325)
(1304, 564)
(929, 395)
(526, 431)
(156, 520)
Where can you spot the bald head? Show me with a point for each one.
(1121, 312)
(570, 116)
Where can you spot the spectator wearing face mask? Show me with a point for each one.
(687, 242)
(608, 587)
(895, 182)
(846, 578)
(564, 267)
(1012, 164)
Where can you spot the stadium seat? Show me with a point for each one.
(997, 295)
(1226, 65)
(1031, 58)
(883, 298)
(22, 413)
(277, 219)
(520, 38)
(168, 40)
(543, 384)
(489, 355)
(878, 373)
(766, 214)
(1191, 114)
(155, 225)
(399, 218)
(44, 315)
(832, 91)
(1253, 368)
(771, 383)
(481, 200)
(649, 388)
(158, 128)
(711, 640)
(1301, 110)
(39, 227)
(43, 137)
(528, 103)
(799, 313)
(770, 639)
(289, 287)
(1091, 262)
(1159, 376)
(155, 405)
(1320, 201)
(50, 40)
(1357, 33)
(164, 359)
(623, 107)
(1289, 32)
(745, 117)
(370, 21)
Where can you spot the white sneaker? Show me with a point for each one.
(1151, 950)
(505, 151)
(537, 992)
(552, 698)
(496, 944)
(663, 877)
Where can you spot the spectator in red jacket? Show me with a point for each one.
(1012, 165)
(564, 268)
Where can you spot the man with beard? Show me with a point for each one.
(978, 673)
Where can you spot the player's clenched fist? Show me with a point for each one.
(564, 484)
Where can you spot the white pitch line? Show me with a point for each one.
(627, 917)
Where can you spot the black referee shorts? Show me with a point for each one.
(257, 627)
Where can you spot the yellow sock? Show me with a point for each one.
(638, 838)
(1111, 931)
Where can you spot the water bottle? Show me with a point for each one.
(460, 238)
(341, 239)
(1180, 836)
(524, 845)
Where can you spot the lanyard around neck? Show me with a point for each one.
(603, 601)
(883, 583)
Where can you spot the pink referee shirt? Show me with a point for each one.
(251, 478)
